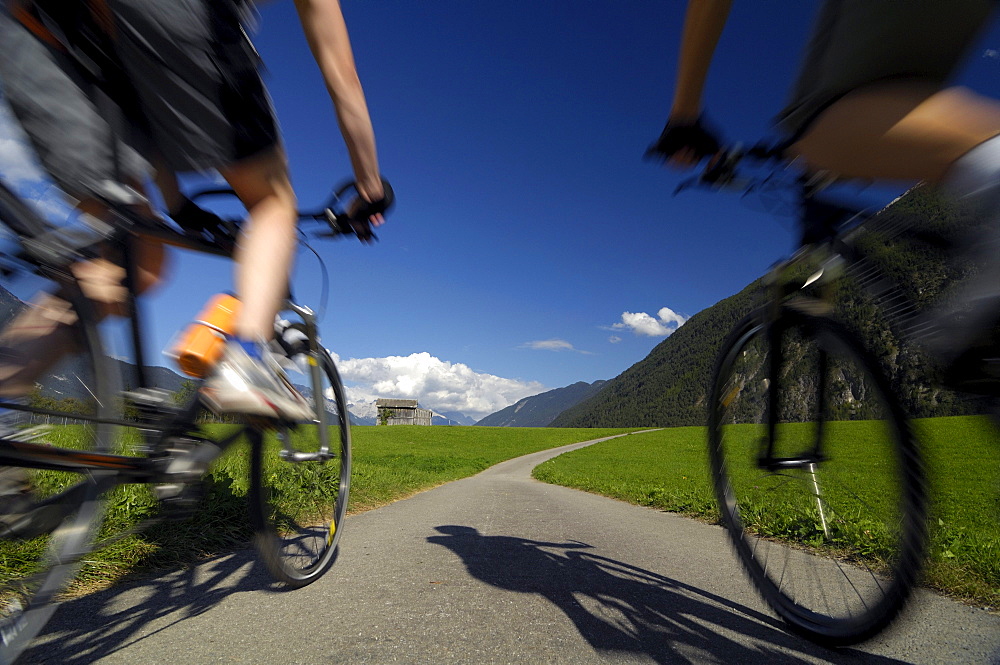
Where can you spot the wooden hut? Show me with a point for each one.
(401, 412)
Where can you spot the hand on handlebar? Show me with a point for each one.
(362, 215)
(684, 144)
(356, 218)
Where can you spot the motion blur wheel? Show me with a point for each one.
(817, 475)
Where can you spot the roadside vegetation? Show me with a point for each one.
(668, 469)
(390, 463)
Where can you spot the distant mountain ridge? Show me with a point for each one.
(540, 410)
(451, 418)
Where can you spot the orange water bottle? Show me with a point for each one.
(201, 344)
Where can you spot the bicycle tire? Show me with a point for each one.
(851, 523)
(36, 570)
(298, 533)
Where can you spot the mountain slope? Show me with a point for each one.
(9, 305)
(539, 410)
(669, 387)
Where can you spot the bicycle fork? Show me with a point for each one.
(309, 328)
(767, 459)
(808, 460)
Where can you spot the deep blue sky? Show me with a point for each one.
(513, 134)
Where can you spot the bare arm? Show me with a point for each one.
(703, 26)
(685, 140)
(326, 32)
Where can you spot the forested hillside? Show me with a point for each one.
(909, 242)
(668, 387)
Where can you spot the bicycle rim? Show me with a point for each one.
(299, 506)
(36, 572)
(834, 544)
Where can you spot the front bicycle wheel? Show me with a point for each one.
(817, 474)
(301, 476)
(48, 518)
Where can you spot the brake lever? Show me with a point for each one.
(344, 225)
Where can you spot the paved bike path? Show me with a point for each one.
(497, 568)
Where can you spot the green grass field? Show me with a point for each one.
(668, 470)
(390, 463)
(394, 462)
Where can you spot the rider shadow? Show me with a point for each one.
(94, 626)
(88, 628)
(618, 607)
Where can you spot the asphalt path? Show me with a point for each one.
(497, 568)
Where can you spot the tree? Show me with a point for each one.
(184, 394)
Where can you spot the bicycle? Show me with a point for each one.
(810, 450)
(107, 437)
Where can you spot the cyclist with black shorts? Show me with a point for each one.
(872, 100)
(112, 93)
(176, 83)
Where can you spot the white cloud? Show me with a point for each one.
(669, 316)
(552, 345)
(437, 384)
(614, 339)
(664, 323)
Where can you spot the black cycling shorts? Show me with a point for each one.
(187, 89)
(856, 43)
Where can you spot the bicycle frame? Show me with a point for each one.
(107, 470)
(135, 469)
(820, 246)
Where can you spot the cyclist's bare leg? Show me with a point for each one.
(899, 131)
(267, 245)
(33, 343)
(248, 380)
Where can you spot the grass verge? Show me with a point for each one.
(668, 470)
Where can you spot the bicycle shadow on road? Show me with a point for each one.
(618, 607)
(94, 626)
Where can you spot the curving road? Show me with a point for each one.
(497, 568)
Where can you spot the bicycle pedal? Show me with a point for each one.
(187, 459)
(40, 520)
(155, 403)
(150, 396)
(179, 500)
